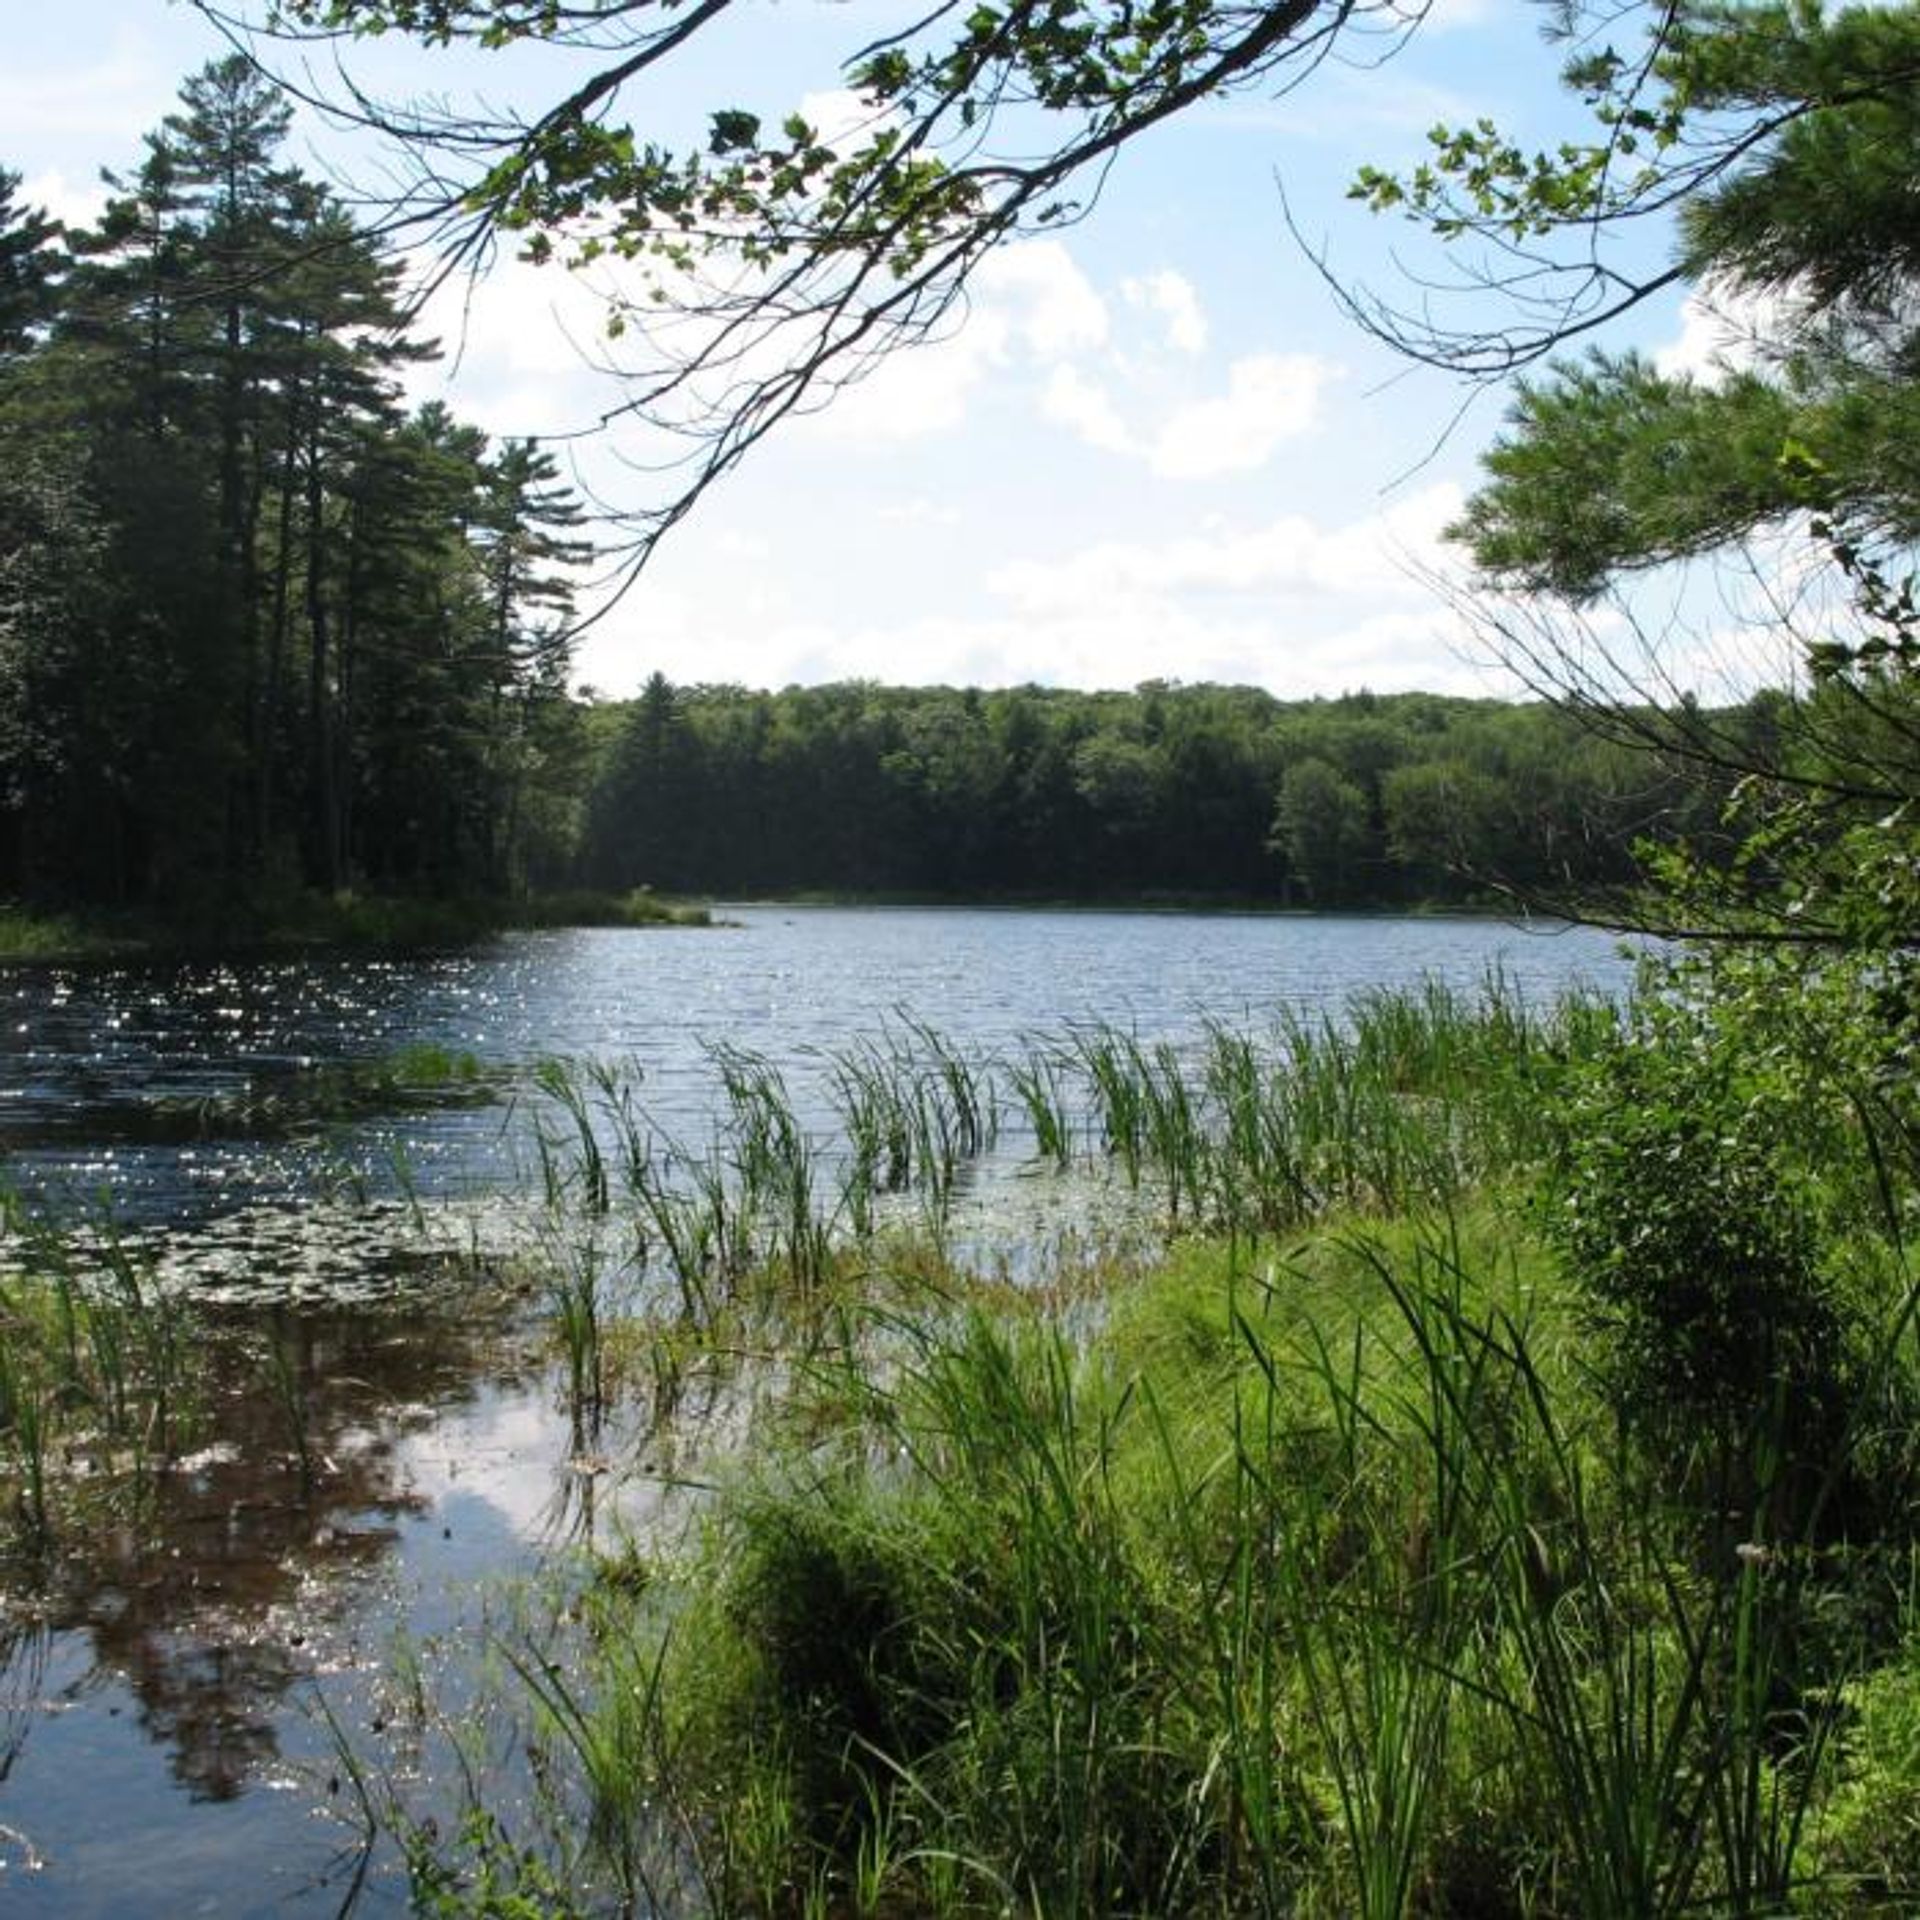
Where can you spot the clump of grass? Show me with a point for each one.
(28, 936)
(767, 1204)
(776, 1168)
(401, 923)
(1405, 1100)
(344, 918)
(98, 1388)
(640, 907)
(1039, 1085)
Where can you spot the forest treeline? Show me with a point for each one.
(1367, 800)
(266, 627)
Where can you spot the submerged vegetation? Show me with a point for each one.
(134, 1410)
(98, 1384)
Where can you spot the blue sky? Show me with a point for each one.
(1154, 449)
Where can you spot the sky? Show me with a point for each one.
(1154, 448)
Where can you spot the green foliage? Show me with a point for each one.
(29, 268)
(33, 936)
(1609, 465)
(1867, 1837)
(100, 1389)
(1307, 1587)
(1322, 824)
(1715, 1166)
(478, 1874)
(969, 1654)
(1694, 1242)
(1785, 136)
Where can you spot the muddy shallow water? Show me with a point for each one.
(173, 1698)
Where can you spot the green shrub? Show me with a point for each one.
(1694, 1237)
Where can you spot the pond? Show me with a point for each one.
(173, 1698)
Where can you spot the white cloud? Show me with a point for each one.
(78, 206)
(918, 512)
(920, 390)
(1029, 301)
(1120, 646)
(1287, 604)
(840, 117)
(1089, 647)
(1291, 556)
(128, 86)
(1051, 305)
(518, 345)
(1442, 16)
(1722, 331)
(1085, 408)
(1270, 397)
(1171, 295)
(524, 343)
(1371, 102)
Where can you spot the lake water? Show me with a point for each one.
(91, 1056)
(161, 1745)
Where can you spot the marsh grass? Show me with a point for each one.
(1312, 1570)
(767, 1205)
(45, 936)
(350, 919)
(1401, 1101)
(1409, 1101)
(1316, 1583)
(99, 1389)
(307, 920)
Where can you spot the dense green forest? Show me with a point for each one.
(265, 629)
(1176, 790)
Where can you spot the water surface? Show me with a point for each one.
(89, 1056)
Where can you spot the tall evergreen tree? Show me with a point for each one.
(30, 263)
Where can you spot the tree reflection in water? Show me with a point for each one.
(206, 1607)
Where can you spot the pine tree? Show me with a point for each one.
(30, 266)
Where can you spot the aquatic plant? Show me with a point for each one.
(96, 1360)
(1039, 1082)
(1309, 1585)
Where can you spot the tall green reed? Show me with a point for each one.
(94, 1357)
(776, 1166)
(1038, 1078)
(1406, 1101)
(1660, 1697)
